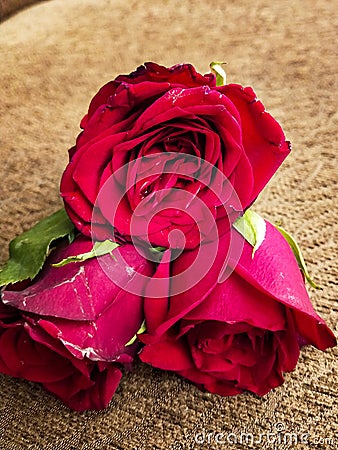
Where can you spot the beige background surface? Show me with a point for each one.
(54, 56)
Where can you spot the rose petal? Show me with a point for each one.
(275, 272)
(184, 74)
(78, 291)
(96, 396)
(155, 309)
(234, 301)
(169, 354)
(263, 138)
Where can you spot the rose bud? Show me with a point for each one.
(68, 329)
(241, 334)
(161, 138)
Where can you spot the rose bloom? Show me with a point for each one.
(68, 328)
(240, 334)
(156, 120)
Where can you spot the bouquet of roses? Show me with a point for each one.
(157, 252)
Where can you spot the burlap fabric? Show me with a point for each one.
(54, 56)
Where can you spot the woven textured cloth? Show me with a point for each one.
(54, 56)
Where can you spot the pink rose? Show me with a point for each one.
(240, 334)
(159, 135)
(68, 328)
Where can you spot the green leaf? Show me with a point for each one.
(157, 249)
(142, 329)
(298, 254)
(252, 227)
(71, 236)
(217, 69)
(28, 252)
(99, 249)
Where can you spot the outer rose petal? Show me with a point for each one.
(168, 354)
(207, 382)
(274, 271)
(155, 309)
(235, 301)
(19, 358)
(84, 304)
(181, 74)
(96, 397)
(263, 138)
(77, 291)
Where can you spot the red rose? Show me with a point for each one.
(240, 334)
(68, 328)
(173, 128)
